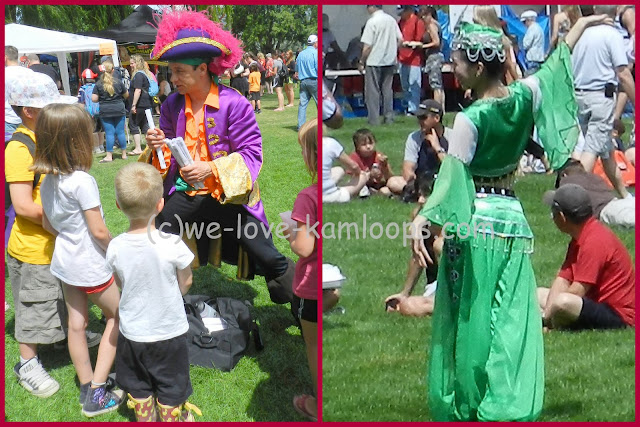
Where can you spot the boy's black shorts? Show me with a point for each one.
(160, 368)
(254, 96)
(305, 309)
(596, 315)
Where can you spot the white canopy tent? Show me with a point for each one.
(38, 40)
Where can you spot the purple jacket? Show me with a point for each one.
(230, 129)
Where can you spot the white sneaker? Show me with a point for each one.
(35, 379)
(364, 192)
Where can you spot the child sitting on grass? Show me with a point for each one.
(153, 270)
(374, 162)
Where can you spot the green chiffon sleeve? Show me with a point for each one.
(451, 201)
(556, 118)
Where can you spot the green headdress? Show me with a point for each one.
(478, 39)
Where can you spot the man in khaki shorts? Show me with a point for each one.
(600, 64)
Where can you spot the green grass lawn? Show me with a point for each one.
(375, 364)
(262, 385)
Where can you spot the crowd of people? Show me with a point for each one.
(61, 254)
(280, 72)
(560, 106)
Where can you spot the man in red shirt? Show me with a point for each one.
(410, 56)
(595, 287)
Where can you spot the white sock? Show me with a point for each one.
(23, 361)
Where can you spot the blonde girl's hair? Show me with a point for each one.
(140, 64)
(290, 55)
(573, 13)
(487, 16)
(308, 139)
(138, 190)
(107, 78)
(65, 140)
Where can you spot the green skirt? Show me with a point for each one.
(486, 360)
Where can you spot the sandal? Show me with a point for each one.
(105, 161)
(300, 405)
(133, 153)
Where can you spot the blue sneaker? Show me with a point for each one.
(101, 401)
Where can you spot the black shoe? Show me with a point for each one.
(84, 388)
(101, 401)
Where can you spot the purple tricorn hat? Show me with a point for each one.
(191, 43)
(185, 34)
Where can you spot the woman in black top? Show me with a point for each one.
(289, 82)
(110, 93)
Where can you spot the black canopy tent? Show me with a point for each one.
(135, 28)
(134, 34)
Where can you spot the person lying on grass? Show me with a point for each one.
(403, 302)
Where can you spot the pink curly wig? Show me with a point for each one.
(174, 20)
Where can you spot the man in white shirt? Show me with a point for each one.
(11, 71)
(381, 38)
(599, 65)
(533, 42)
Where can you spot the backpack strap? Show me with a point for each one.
(31, 146)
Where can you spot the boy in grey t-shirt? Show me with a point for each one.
(152, 361)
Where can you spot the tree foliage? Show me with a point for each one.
(267, 27)
(68, 18)
(260, 27)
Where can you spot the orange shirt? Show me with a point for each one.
(254, 82)
(195, 140)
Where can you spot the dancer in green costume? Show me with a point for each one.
(486, 359)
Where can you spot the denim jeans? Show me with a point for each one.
(411, 80)
(9, 129)
(308, 90)
(114, 127)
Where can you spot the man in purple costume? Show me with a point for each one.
(220, 131)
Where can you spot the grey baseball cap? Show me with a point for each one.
(570, 199)
(429, 106)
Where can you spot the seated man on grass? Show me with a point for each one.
(595, 287)
(426, 147)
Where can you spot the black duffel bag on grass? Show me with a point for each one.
(220, 349)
